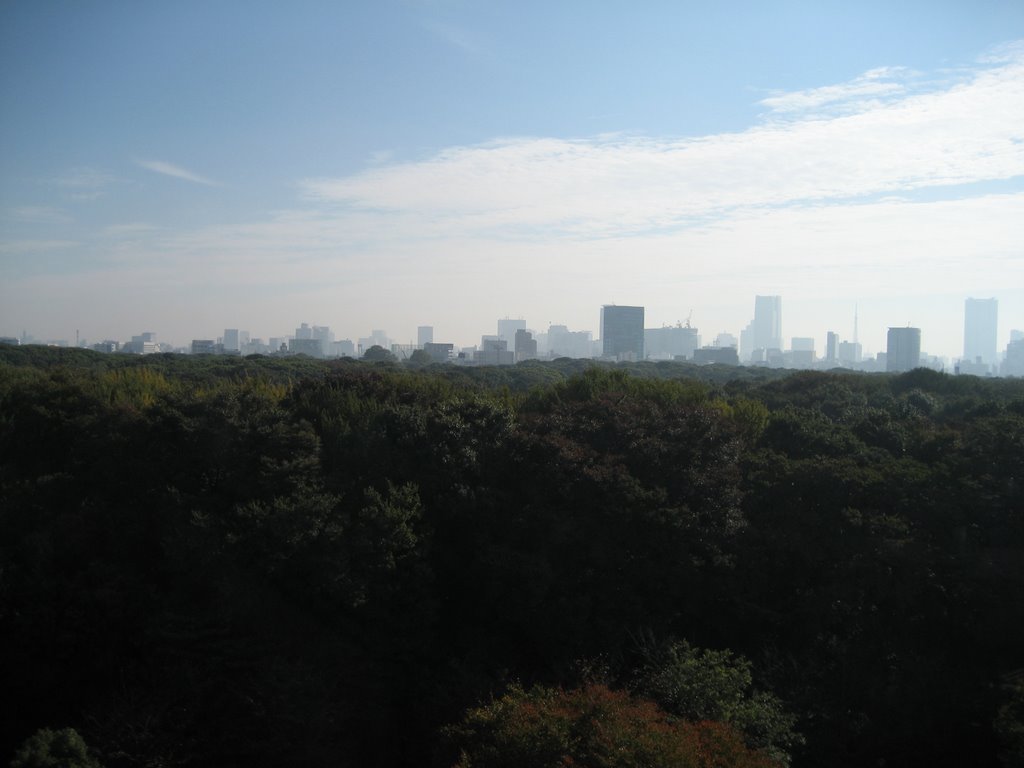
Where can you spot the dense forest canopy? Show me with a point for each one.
(280, 561)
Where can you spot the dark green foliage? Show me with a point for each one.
(420, 358)
(377, 354)
(701, 684)
(283, 561)
(47, 748)
(1009, 723)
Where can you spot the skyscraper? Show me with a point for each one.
(767, 326)
(322, 333)
(980, 321)
(526, 345)
(671, 342)
(507, 328)
(831, 347)
(903, 349)
(622, 332)
(424, 335)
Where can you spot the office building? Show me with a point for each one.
(902, 349)
(507, 328)
(980, 321)
(561, 342)
(719, 355)
(832, 348)
(495, 351)
(622, 332)
(801, 352)
(439, 353)
(849, 353)
(724, 340)
(343, 348)
(767, 325)
(323, 334)
(424, 335)
(143, 344)
(671, 342)
(747, 343)
(526, 345)
(306, 346)
(377, 338)
(1013, 363)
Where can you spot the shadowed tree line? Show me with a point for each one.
(281, 561)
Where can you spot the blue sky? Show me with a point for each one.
(191, 166)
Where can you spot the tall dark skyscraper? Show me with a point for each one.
(903, 349)
(622, 332)
(980, 325)
(767, 326)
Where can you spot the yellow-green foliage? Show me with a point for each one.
(250, 388)
(750, 416)
(133, 387)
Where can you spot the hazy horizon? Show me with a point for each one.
(186, 168)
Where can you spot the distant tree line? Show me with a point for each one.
(281, 561)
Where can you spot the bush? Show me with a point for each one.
(47, 748)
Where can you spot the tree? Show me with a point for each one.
(47, 748)
(592, 727)
(378, 354)
(703, 684)
(420, 357)
(1009, 726)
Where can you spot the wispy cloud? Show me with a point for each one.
(964, 132)
(38, 214)
(133, 229)
(26, 247)
(84, 182)
(381, 156)
(175, 171)
(870, 90)
(456, 36)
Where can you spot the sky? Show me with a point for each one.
(188, 167)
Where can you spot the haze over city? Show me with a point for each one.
(186, 168)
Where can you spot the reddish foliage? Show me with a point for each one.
(593, 727)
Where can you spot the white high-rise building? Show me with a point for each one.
(767, 326)
(507, 328)
(232, 340)
(980, 330)
(903, 349)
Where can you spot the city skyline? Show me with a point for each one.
(619, 344)
(192, 167)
